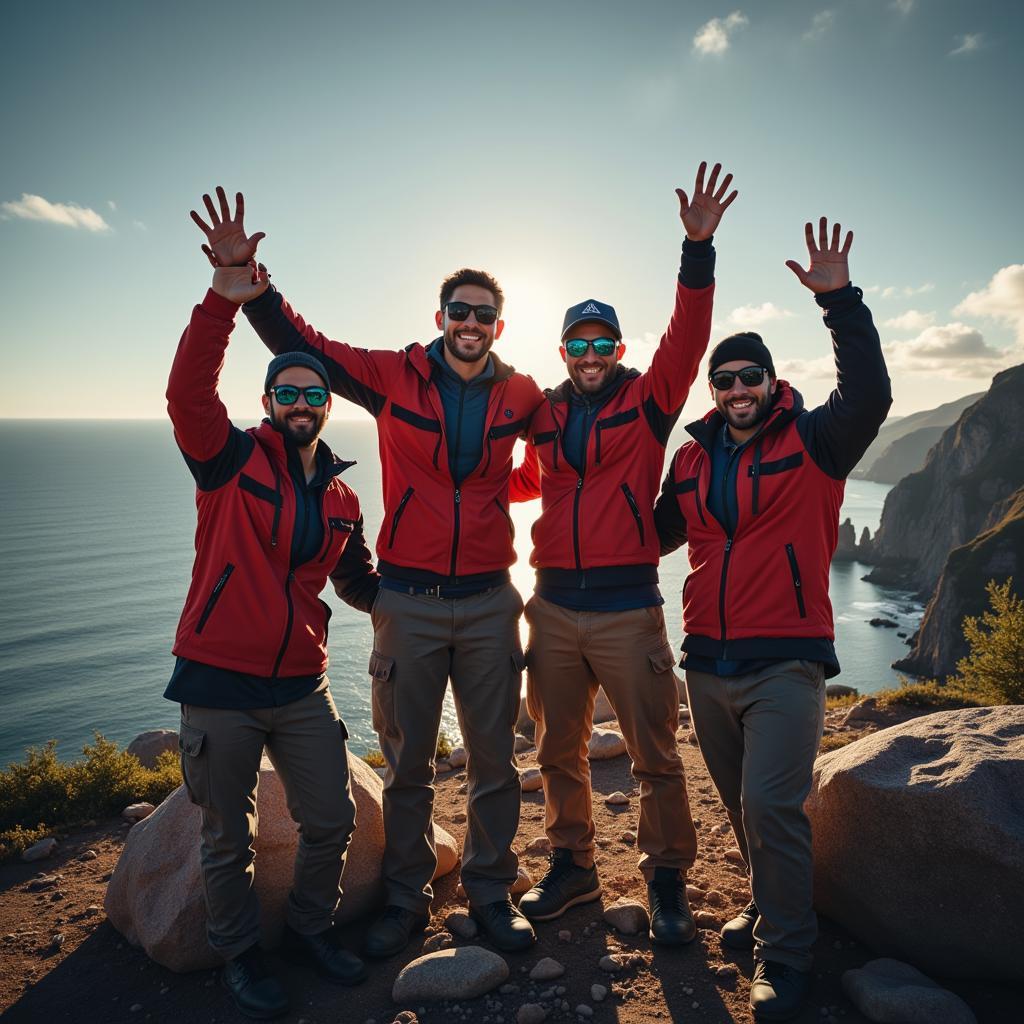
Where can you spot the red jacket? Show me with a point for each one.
(429, 526)
(247, 609)
(762, 592)
(603, 517)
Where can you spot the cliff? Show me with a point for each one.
(996, 553)
(904, 456)
(975, 466)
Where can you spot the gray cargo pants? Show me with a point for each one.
(419, 643)
(221, 749)
(759, 734)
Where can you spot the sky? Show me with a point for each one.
(382, 146)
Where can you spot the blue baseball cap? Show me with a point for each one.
(590, 310)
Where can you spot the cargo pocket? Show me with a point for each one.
(663, 659)
(195, 766)
(381, 671)
(516, 689)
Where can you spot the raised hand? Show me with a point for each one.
(241, 284)
(228, 245)
(701, 215)
(829, 267)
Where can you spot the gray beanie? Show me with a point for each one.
(745, 345)
(286, 359)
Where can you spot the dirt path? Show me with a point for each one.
(94, 975)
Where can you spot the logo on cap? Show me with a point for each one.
(591, 308)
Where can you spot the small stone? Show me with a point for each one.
(627, 916)
(693, 894)
(616, 799)
(546, 970)
(522, 743)
(463, 788)
(733, 854)
(726, 972)
(629, 838)
(57, 941)
(461, 973)
(523, 882)
(565, 935)
(88, 855)
(40, 850)
(442, 940)
(604, 744)
(41, 882)
(691, 738)
(584, 1011)
(705, 920)
(598, 992)
(538, 846)
(461, 924)
(458, 757)
(714, 898)
(136, 812)
(531, 780)
(531, 1013)
(611, 962)
(508, 988)
(459, 817)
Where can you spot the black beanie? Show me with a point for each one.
(745, 345)
(286, 359)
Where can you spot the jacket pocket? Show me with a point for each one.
(381, 671)
(635, 509)
(609, 423)
(211, 601)
(195, 767)
(663, 659)
(798, 587)
(397, 517)
(508, 518)
(336, 525)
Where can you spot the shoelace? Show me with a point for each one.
(670, 896)
(558, 867)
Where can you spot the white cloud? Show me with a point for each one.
(751, 316)
(713, 37)
(138, 224)
(893, 291)
(969, 43)
(912, 320)
(953, 349)
(797, 370)
(112, 205)
(820, 24)
(903, 7)
(1001, 299)
(71, 215)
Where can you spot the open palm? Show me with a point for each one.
(702, 214)
(227, 243)
(829, 264)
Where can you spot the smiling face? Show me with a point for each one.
(469, 341)
(743, 408)
(300, 423)
(591, 372)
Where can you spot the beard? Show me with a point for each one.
(300, 435)
(466, 353)
(590, 384)
(751, 416)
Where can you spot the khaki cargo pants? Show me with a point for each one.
(571, 653)
(420, 642)
(221, 749)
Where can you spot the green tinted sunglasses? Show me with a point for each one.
(577, 347)
(287, 394)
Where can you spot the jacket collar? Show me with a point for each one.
(328, 464)
(788, 405)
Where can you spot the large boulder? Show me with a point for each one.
(919, 841)
(155, 896)
(148, 746)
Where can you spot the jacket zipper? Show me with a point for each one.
(794, 568)
(288, 624)
(398, 515)
(727, 552)
(636, 511)
(458, 494)
(211, 601)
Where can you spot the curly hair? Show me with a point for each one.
(478, 277)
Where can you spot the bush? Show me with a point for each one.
(846, 701)
(994, 669)
(928, 693)
(444, 745)
(374, 758)
(42, 794)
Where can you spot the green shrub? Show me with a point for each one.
(994, 668)
(927, 693)
(846, 701)
(374, 758)
(42, 794)
(444, 744)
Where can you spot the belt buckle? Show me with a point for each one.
(434, 591)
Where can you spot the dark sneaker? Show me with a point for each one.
(255, 991)
(504, 925)
(323, 953)
(672, 923)
(778, 991)
(391, 932)
(564, 885)
(739, 932)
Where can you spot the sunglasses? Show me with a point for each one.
(288, 394)
(577, 347)
(750, 376)
(461, 311)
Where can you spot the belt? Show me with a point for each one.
(445, 591)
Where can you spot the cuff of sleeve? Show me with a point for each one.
(697, 267)
(219, 307)
(839, 300)
(261, 303)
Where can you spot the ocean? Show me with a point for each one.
(96, 543)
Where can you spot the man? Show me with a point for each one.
(756, 495)
(448, 415)
(595, 456)
(274, 523)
